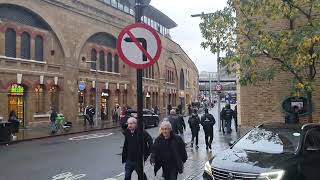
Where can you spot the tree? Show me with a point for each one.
(270, 36)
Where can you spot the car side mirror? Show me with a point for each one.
(231, 143)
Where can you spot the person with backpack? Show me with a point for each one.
(194, 123)
(207, 122)
(227, 114)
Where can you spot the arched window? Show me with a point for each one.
(10, 43)
(93, 58)
(40, 99)
(109, 62)
(25, 46)
(39, 48)
(181, 80)
(116, 64)
(102, 62)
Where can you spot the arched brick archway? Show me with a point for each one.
(42, 16)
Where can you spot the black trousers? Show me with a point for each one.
(195, 134)
(208, 137)
(170, 173)
(133, 166)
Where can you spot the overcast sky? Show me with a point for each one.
(188, 34)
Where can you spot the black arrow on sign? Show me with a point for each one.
(143, 41)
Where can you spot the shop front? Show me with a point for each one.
(17, 98)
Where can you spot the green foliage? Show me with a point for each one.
(266, 37)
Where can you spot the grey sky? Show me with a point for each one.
(188, 34)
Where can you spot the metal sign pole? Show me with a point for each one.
(138, 15)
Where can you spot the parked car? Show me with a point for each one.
(275, 151)
(149, 117)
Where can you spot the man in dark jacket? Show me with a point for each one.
(130, 149)
(227, 115)
(194, 123)
(168, 153)
(207, 122)
(177, 122)
(235, 117)
(53, 117)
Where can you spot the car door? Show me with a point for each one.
(311, 155)
(147, 117)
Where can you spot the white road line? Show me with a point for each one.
(68, 176)
(90, 136)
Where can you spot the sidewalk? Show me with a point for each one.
(44, 131)
(193, 168)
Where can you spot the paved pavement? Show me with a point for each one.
(92, 156)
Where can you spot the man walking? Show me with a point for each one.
(177, 123)
(207, 122)
(227, 114)
(194, 123)
(131, 147)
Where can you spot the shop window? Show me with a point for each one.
(109, 62)
(93, 58)
(40, 99)
(116, 64)
(125, 97)
(39, 48)
(25, 46)
(92, 99)
(102, 61)
(54, 97)
(10, 43)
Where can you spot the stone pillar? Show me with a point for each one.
(18, 45)
(32, 48)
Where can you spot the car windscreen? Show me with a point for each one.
(269, 140)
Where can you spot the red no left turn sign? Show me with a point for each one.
(139, 45)
(219, 87)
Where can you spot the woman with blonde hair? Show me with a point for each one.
(168, 152)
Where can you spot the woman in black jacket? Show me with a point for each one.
(168, 152)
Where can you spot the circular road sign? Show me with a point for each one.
(219, 87)
(139, 45)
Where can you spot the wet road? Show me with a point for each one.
(92, 156)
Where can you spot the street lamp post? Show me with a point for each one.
(96, 92)
(218, 74)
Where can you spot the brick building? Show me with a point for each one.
(45, 46)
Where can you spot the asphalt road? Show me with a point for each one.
(87, 156)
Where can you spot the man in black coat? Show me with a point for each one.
(194, 123)
(168, 153)
(207, 122)
(177, 123)
(130, 149)
(227, 114)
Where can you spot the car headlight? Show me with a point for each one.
(275, 175)
(207, 168)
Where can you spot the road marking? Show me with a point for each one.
(90, 136)
(68, 176)
(110, 179)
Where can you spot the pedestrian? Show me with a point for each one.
(227, 114)
(131, 147)
(168, 153)
(116, 113)
(189, 110)
(194, 123)
(15, 121)
(293, 118)
(169, 108)
(222, 120)
(156, 110)
(53, 117)
(177, 123)
(235, 117)
(207, 122)
(91, 112)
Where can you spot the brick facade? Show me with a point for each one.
(66, 48)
